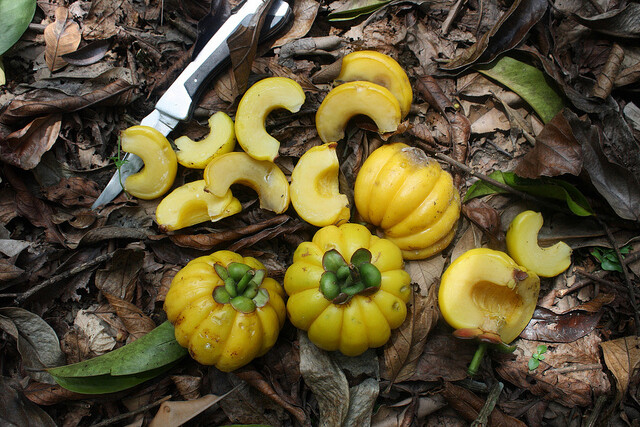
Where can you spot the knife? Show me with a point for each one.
(178, 102)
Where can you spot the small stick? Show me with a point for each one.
(132, 413)
(577, 368)
(453, 13)
(57, 278)
(625, 272)
(593, 417)
(489, 405)
(595, 278)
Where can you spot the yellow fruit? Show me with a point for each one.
(351, 99)
(522, 245)
(314, 187)
(221, 139)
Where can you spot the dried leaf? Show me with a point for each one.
(9, 271)
(467, 404)
(615, 183)
(444, 358)
(486, 218)
(243, 44)
(16, 410)
(89, 54)
(622, 357)
(60, 37)
(624, 23)
(556, 152)
(510, 30)
(402, 352)
(545, 325)
(73, 191)
(326, 381)
(49, 394)
(119, 278)
(117, 92)
(362, 398)
(37, 342)
(137, 323)
(24, 148)
(304, 14)
(179, 412)
(571, 373)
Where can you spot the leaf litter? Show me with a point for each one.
(59, 128)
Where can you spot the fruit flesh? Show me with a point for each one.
(221, 139)
(523, 247)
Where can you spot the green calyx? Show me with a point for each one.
(241, 287)
(341, 280)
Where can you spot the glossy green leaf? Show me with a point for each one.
(356, 8)
(551, 188)
(528, 82)
(125, 367)
(15, 16)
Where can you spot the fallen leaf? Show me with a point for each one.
(16, 410)
(623, 23)
(615, 183)
(304, 14)
(15, 16)
(556, 152)
(326, 381)
(444, 358)
(37, 342)
(528, 82)
(510, 29)
(137, 323)
(176, 413)
(9, 271)
(403, 351)
(50, 394)
(89, 54)
(571, 373)
(362, 398)
(25, 147)
(487, 219)
(346, 10)
(545, 325)
(622, 357)
(73, 191)
(60, 37)
(119, 278)
(467, 404)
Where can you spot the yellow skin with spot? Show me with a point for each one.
(485, 289)
(160, 163)
(216, 334)
(409, 198)
(363, 322)
(314, 189)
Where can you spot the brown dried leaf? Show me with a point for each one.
(179, 412)
(622, 357)
(25, 147)
(571, 373)
(304, 13)
(16, 410)
(119, 278)
(556, 152)
(9, 271)
(486, 217)
(510, 30)
(60, 37)
(73, 191)
(467, 404)
(188, 385)
(545, 325)
(137, 323)
(260, 383)
(50, 394)
(402, 352)
(444, 358)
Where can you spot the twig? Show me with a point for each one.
(625, 272)
(577, 368)
(57, 278)
(575, 287)
(595, 278)
(132, 413)
(453, 13)
(593, 417)
(483, 416)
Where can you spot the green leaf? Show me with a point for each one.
(528, 82)
(356, 8)
(15, 16)
(533, 363)
(608, 258)
(125, 367)
(552, 188)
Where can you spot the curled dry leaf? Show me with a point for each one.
(24, 148)
(362, 398)
(16, 410)
(179, 412)
(545, 325)
(326, 380)
(60, 37)
(402, 352)
(622, 357)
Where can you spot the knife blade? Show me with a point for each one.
(177, 103)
